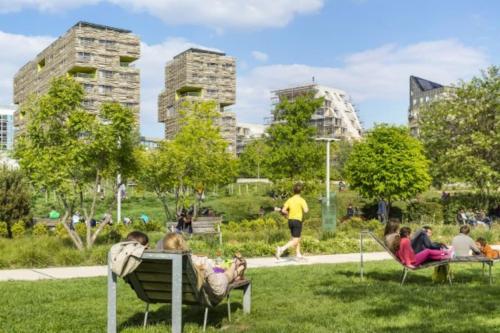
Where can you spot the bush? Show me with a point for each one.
(424, 212)
(33, 257)
(69, 257)
(40, 229)
(3, 229)
(99, 255)
(18, 229)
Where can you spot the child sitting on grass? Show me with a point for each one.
(487, 250)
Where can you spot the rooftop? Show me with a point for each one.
(425, 85)
(200, 51)
(99, 26)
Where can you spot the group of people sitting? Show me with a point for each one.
(415, 249)
(474, 217)
(213, 275)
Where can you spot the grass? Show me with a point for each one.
(319, 298)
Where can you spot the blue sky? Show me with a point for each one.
(366, 47)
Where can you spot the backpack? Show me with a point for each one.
(442, 273)
(126, 257)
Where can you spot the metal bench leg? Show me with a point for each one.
(405, 272)
(361, 253)
(146, 315)
(229, 307)
(111, 298)
(247, 298)
(205, 319)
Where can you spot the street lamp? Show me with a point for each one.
(327, 179)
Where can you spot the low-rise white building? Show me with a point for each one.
(246, 133)
(7, 128)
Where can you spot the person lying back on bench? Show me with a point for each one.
(408, 257)
(216, 278)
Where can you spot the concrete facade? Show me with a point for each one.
(99, 57)
(7, 128)
(337, 117)
(422, 93)
(199, 75)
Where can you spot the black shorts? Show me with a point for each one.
(295, 228)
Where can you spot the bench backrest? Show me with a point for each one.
(382, 244)
(206, 224)
(152, 280)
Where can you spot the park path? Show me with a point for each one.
(33, 274)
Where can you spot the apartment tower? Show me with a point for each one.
(336, 118)
(422, 93)
(199, 75)
(100, 57)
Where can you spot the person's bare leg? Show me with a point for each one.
(297, 249)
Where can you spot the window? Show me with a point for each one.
(128, 76)
(211, 64)
(212, 78)
(86, 41)
(88, 103)
(84, 56)
(107, 43)
(106, 90)
(212, 91)
(106, 74)
(88, 87)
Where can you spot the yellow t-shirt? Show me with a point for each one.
(296, 206)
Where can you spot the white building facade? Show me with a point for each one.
(7, 128)
(337, 117)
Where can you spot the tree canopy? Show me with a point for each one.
(293, 151)
(388, 163)
(252, 161)
(461, 133)
(66, 149)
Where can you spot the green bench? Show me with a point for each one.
(169, 277)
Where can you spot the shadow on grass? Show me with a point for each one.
(190, 314)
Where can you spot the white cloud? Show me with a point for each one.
(7, 6)
(216, 14)
(17, 50)
(379, 74)
(260, 56)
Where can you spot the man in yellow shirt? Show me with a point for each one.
(295, 208)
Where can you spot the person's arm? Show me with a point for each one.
(428, 244)
(305, 208)
(474, 247)
(284, 210)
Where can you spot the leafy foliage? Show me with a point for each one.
(69, 150)
(15, 197)
(461, 133)
(388, 163)
(294, 154)
(253, 159)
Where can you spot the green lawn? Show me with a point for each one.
(320, 298)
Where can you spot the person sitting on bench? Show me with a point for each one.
(217, 278)
(408, 257)
(463, 244)
(421, 240)
(391, 235)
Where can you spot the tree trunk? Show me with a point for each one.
(72, 233)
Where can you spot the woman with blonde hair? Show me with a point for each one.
(217, 279)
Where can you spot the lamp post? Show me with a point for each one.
(327, 179)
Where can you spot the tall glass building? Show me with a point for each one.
(6, 128)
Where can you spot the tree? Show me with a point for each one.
(161, 171)
(293, 152)
(202, 151)
(461, 134)
(69, 150)
(340, 155)
(253, 159)
(15, 197)
(388, 163)
(196, 159)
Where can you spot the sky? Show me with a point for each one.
(368, 48)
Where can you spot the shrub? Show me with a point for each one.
(15, 196)
(3, 229)
(153, 226)
(18, 229)
(33, 257)
(424, 211)
(40, 230)
(99, 255)
(81, 229)
(61, 231)
(69, 257)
